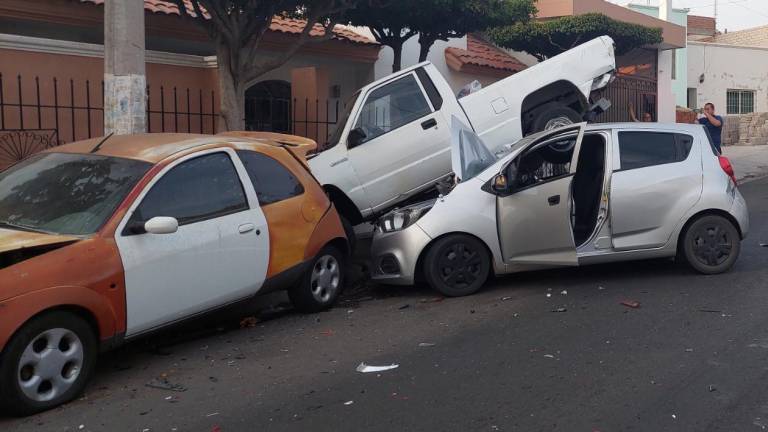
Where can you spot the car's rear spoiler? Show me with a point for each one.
(297, 145)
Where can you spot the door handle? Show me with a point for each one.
(554, 200)
(246, 228)
(429, 124)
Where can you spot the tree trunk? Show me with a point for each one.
(231, 93)
(397, 62)
(425, 44)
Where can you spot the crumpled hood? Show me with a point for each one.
(14, 240)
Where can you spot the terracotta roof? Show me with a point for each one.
(482, 54)
(279, 24)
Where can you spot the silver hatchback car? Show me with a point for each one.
(578, 195)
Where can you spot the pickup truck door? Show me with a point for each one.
(405, 142)
(534, 217)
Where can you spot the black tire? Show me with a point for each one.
(457, 265)
(13, 399)
(551, 112)
(554, 112)
(711, 244)
(318, 291)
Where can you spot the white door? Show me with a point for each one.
(219, 254)
(535, 215)
(404, 144)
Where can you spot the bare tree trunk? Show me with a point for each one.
(397, 62)
(232, 94)
(425, 44)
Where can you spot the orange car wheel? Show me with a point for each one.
(321, 286)
(46, 363)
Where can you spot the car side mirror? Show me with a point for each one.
(500, 184)
(356, 137)
(161, 225)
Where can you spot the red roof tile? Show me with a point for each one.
(483, 54)
(279, 24)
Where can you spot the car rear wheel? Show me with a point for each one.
(457, 265)
(711, 244)
(46, 363)
(322, 284)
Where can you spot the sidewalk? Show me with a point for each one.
(749, 162)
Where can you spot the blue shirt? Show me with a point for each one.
(715, 132)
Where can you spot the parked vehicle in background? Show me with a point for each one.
(105, 241)
(394, 139)
(611, 192)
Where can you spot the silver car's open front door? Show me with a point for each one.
(534, 214)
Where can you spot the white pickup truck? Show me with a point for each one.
(394, 139)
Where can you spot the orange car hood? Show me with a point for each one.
(13, 239)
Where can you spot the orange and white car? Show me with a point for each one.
(102, 241)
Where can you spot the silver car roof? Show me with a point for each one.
(683, 127)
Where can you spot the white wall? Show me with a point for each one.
(727, 67)
(436, 56)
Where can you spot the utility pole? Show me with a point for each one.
(715, 15)
(125, 82)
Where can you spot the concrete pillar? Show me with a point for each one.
(666, 99)
(125, 82)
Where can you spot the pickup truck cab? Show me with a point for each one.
(394, 139)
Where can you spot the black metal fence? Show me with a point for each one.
(313, 119)
(625, 91)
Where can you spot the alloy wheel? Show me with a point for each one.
(460, 265)
(712, 244)
(325, 279)
(50, 364)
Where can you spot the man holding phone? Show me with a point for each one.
(713, 123)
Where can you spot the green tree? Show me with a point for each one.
(237, 27)
(393, 22)
(544, 39)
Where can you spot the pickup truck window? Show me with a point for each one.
(389, 107)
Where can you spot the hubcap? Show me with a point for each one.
(557, 122)
(326, 276)
(50, 364)
(460, 265)
(712, 245)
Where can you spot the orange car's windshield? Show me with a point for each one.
(63, 193)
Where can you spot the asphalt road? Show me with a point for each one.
(692, 357)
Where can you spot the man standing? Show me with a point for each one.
(713, 123)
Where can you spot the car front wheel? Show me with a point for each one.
(46, 363)
(457, 265)
(711, 244)
(321, 286)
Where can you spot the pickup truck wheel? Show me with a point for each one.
(322, 283)
(46, 363)
(457, 265)
(554, 116)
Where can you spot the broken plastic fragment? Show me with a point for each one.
(631, 303)
(564, 292)
(349, 403)
(426, 344)
(549, 356)
(562, 309)
(364, 368)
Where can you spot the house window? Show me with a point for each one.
(740, 101)
(693, 101)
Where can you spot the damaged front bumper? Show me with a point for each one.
(396, 255)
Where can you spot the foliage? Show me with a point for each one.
(544, 39)
(395, 21)
(237, 26)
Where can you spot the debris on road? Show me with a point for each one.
(212, 414)
(426, 344)
(249, 322)
(564, 292)
(432, 300)
(349, 403)
(710, 310)
(364, 368)
(328, 332)
(601, 288)
(765, 245)
(163, 384)
(506, 298)
(549, 356)
(689, 350)
(549, 295)
(403, 307)
(634, 304)
(560, 310)
(711, 388)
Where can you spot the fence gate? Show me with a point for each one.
(626, 91)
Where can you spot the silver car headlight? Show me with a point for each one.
(402, 218)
